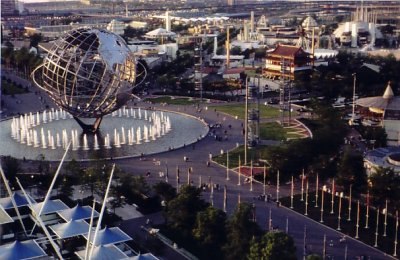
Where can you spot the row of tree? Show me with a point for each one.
(211, 234)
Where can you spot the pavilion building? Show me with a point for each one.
(286, 61)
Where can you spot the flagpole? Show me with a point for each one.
(367, 214)
(291, 193)
(316, 191)
(302, 186)
(340, 210)
(166, 172)
(333, 196)
(306, 213)
(239, 171)
(270, 220)
(349, 217)
(177, 178)
(277, 187)
(358, 219)
(212, 195)
(227, 165)
(385, 223)
(376, 228)
(251, 176)
(224, 199)
(322, 204)
(265, 173)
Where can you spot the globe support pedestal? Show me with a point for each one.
(89, 128)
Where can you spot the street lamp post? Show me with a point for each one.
(349, 217)
(322, 204)
(354, 97)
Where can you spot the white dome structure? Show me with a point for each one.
(309, 23)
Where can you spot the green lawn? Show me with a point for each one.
(10, 88)
(252, 154)
(272, 131)
(238, 110)
(171, 100)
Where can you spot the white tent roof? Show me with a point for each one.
(4, 217)
(104, 253)
(148, 256)
(160, 32)
(70, 229)
(18, 250)
(77, 212)
(51, 206)
(107, 236)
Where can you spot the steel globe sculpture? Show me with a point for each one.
(89, 73)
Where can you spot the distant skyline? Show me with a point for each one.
(41, 1)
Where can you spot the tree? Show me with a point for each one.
(165, 191)
(66, 187)
(210, 231)
(385, 184)
(35, 39)
(273, 245)
(351, 171)
(240, 230)
(11, 167)
(181, 211)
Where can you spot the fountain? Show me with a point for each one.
(39, 133)
(85, 143)
(96, 143)
(138, 135)
(123, 140)
(44, 146)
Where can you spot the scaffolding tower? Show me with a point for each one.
(285, 92)
(253, 114)
(198, 67)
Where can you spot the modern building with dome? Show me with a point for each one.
(382, 111)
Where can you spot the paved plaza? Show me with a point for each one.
(197, 156)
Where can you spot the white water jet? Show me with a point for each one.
(44, 146)
(138, 135)
(35, 139)
(85, 143)
(123, 139)
(58, 140)
(107, 141)
(96, 142)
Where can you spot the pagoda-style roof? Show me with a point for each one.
(379, 104)
(287, 51)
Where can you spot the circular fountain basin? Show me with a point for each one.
(158, 131)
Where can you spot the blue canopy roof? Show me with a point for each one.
(19, 198)
(104, 253)
(21, 250)
(107, 236)
(77, 212)
(71, 229)
(51, 207)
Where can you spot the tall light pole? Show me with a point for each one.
(354, 97)
(246, 121)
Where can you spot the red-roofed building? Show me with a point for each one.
(285, 61)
